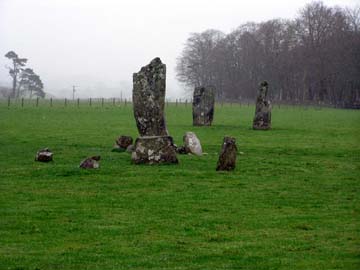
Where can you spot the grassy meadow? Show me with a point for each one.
(293, 202)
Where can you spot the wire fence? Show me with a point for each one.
(123, 102)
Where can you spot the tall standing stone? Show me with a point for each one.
(154, 144)
(203, 106)
(262, 119)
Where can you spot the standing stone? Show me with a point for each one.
(154, 144)
(203, 106)
(227, 157)
(262, 119)
(192, 144)
(44, 155)
(90, 163)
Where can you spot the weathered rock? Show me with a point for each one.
(154, 150)
(130, 148)
(44, 155)
(203, 106)
(192, 143)
(149, 99)
(262, 119)
(227, 157)
(124, 141)
(182, 150)
(90, 163)
(154, 144)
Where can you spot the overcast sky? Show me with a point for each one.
(98, 44)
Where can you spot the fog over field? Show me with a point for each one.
(98, 44)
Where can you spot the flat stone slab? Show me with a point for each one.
(227, 157)
(154, 150)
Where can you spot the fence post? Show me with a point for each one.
(37, 101)
(50, 102)
(22, 102)
(65, 102)
(90, 102)
(8, 101)
(78, 102)
(125, 102)
(102, 102)
(185, 102)
(113, 101)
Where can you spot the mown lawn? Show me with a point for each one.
(292, 202)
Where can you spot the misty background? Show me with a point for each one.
(98, 44)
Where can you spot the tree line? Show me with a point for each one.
(25, 82)
(314, 57)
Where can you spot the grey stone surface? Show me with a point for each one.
(130, 148)
(154, 146)
(262, 119)
(90, 163)
(154, 150)
(44, 155)
(203, 106)
(149, 99)
(227, 157)
(122, 143)
(192, 143)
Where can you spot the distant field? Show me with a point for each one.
(293, 201)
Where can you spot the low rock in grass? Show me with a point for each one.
(227, 157)
(122, 143)
(44, 155)
(192, 144)
(130, 148)
(90, 163)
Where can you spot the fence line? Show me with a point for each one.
(102, 102)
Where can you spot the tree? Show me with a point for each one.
(14, 71)
(30, 82)
(314, 57)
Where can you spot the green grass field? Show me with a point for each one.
(293, 201)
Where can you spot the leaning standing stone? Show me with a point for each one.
(192, 144)
(44, 155)
(227, 157)
(154, 144)
(203, 106)
(90, 163)
(262, 119)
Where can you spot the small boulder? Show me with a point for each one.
(192, 144)
(130, 148)
(44, 155)
(90, 163)
(122, 143)
(182, 150)
(227, 157)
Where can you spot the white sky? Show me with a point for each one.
(98, 44)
